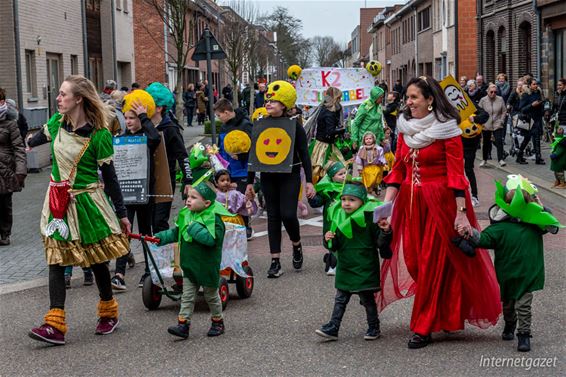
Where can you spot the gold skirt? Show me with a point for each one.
(238, 220)
(74, 253)
(372, 175)
(320, 156)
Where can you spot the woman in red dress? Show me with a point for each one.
(432, 200)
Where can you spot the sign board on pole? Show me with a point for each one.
(131, 162)
(458, 97)
(355, 84)
(216, 52)
(273, 143)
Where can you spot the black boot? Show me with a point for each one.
(520, 159)
(508, 330)
(524, 343)
(539, 160)
(217, 328)
(419, 341)
(181, 329)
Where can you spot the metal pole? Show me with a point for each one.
(209, 78)
(86, 67)
(19, 86)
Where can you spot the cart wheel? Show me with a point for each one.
(151, 294)
(245, 286)
(223, 292)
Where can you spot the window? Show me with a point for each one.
(31, 81)
(424, 19)
(74, 64)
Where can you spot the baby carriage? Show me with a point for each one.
(166, 278)
(517, 138)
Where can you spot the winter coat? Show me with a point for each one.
(327, 123)
(238, 168)
(534, 112)
(176, 151)
(189, 99)
(201, 102)
(368, 118)
(559, 107)
(12, 153)
(514, 101)
(496, 110)
(390, 111)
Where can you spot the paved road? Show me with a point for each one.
(272, 332)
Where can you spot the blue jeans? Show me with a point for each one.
(69, 270)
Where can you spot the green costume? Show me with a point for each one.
(94, 232)
(356, 243)
(200, 236)
(558, 154)
(327, 192)
(368, 118)
(515, 234)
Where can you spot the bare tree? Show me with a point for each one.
(326, 51)
(173, 13)
(304, 55)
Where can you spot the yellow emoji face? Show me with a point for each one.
(272, 146)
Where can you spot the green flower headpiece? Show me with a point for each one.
(356, 190)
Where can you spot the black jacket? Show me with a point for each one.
(153, 140)
(514, 101)
(328, 125)
(189, 98)
(176, 151)
(559, 107)
(391, 119)
(534, 112)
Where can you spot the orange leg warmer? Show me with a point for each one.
(108, 309)
(56, 319)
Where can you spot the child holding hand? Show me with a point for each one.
(356, 240)
(200, 232)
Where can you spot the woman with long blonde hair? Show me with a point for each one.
(78, 224)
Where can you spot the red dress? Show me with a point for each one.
(449, 287)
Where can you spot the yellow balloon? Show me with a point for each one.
(236, 142)
(294, 72)
(373, 67)
(272, 146)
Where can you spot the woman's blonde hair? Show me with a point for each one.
(118, 96)
(95, 111)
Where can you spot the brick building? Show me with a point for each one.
(381, 41)
(466, 41)
(507, 39)
(553, 43)
(35, 56)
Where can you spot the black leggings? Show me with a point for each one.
(281, 192)
(470, 149)
(144, 215)
(57, 289)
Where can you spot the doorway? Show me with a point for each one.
(53, 81)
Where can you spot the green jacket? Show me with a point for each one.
(368, 118)
(519, 254)
(357, 266)
(558, 155)
(201, 250)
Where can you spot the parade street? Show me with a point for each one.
(272, 332)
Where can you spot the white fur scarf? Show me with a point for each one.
(420, 133)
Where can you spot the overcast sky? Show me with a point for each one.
(324, 17)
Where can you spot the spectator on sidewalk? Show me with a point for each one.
(109, 87)
(503, 87)
(493, 128)
(532, 110)
(390, 112)
(398, 87)
(13, 168)
(559, 106)
(473, 91)
(22, 121)
(189, 102)
(259, 100)
(482, 85)
(515, 98)
(464, 82)
(201, 105)
(228, 93)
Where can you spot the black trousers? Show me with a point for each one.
(470, 149)
(144, 214)
(190, 115)
(486, 148)
(58, 291)
(534, 133)
(281, 192)
(366, 299)
(6, 217)
(161, 212)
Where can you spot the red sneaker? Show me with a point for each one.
(48, 334)
(106, 326)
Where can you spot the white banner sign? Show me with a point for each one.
(355, 84)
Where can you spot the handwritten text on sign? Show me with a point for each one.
(355, 84)
(131, 162)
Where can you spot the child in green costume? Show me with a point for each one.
(518, 222)
(558, 157)
(356, 240)
(327, 192)
(200, 232)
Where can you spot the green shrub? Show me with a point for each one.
(208, 130)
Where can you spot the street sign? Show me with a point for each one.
(216, 52)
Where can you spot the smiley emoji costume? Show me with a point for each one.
(281, 190)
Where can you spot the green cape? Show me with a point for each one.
(530, 213)
(206, 218)
(342, 221)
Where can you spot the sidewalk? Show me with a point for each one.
(540, 175)
(24, 259)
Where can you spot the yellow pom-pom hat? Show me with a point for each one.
(236, 142)
(260, 112)
(294, 72)
(142, 97)
(282, 91)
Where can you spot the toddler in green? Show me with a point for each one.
(200, 232)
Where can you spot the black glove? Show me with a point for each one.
(464, 245)
(385, 252)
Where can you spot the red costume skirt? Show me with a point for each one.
(449, 287)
